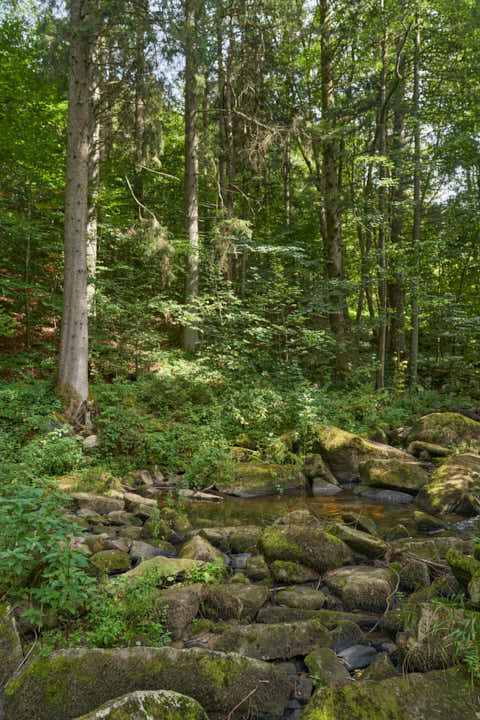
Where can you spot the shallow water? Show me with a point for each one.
(265, 510)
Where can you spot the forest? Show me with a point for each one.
(239, 359)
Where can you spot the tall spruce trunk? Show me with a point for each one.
(190, 334)
(93, 167)
(396, 287)
(382, 207)
(73, 361)
(417, 204)
(331, 194)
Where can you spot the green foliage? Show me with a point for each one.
(460, 631)
(206, 574)
(125, 614)
(39, 561)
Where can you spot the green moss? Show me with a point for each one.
(464, 567)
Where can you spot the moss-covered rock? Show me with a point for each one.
(219, 604)
(393, 474)
(100, 504)
(301, 597)
(434, 549)
(200, 549)
(69, 683)
(257, 479)
(382, 496)
(381, 668)
(109, 561)
(253, 597)
(180, 605)
(345, 634)
(359, 541)
(316, 467)
(425, 449)
(427, 523)
(11, 654)
(447, 428)
(313, 548)
(256, 568)
(170, 525)
(454, 487)
(291, 573)
(274, 642)
(240, 539)
(326, 668)
(463, 567)
(332, 619)
(360, 522)
(413, 575)
(435, 695)
(163, 567)
(361, 587)
(344, 451)
(149, 705)
(397, 532)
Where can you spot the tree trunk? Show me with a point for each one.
(190, 334)
(73, 362)
(93, 169)
(331, 193)
(382, 206)
(417, 204)
(222, 140)
(396, 289)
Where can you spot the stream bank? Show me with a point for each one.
(321, 607)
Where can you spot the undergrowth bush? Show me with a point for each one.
(39, 561)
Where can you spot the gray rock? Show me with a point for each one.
(384, 497)
(91, 442)
(71, 683)
(101, 504)
(358, 656)
(149, 705)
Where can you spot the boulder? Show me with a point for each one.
(344, 451)
(393, 474)
(321, 487)
(100, 504)
(357, 657)
(149, 705)
(257, 569)
(447, 428)
(464, 567)
(413, 575)
(11, 654)
(291, 573)
(70, 683)
(340, 623)
(360, 587)
(180, 605)
(316, 467)
(380, 668)
(314, 548)
(274, 642)
(258, 479)
(383, 497)
(427, 523)
(434, 549)
(200, 549)
(360, 522)
(253, 597)
(345, 634)
(325, 667)
(110, 561)
(425, 449)
(140, 551)
(437, 695)
(162, 567)
(359, 541)
(301, 597)
(454, 487)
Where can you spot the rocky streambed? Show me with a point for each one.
(332, 603)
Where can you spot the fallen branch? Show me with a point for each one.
(252, 692)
